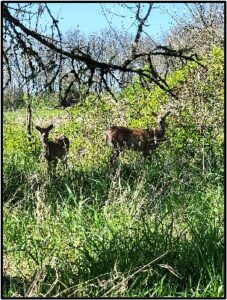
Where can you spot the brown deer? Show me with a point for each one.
(54, 150)
(144, 140)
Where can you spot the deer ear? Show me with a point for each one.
(38, 128)
(168, 112)
(50, 127)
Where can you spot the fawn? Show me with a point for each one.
(144, 140)
(54, 150)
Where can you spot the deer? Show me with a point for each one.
(143, 140)
(54, 150)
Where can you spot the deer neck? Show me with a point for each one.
(45, 140)
(162, 129)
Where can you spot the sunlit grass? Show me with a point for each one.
(152, 229)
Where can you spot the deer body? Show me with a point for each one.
(54, 150)
(143, 140)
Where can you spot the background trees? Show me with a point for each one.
(41, 58)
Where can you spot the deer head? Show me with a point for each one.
(44, 132)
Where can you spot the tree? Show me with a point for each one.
(40, 57)
(203, 29)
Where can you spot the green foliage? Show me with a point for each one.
(153, 229)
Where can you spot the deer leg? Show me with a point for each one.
(65, 162)
(145, 152)
(49, 166)
(114, 156)
(52, 164)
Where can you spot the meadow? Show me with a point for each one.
(154, 228)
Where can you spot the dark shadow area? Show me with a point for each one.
(14, 286)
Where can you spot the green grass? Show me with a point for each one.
(153, 229)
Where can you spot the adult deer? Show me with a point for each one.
(144, 140)
(54, 150)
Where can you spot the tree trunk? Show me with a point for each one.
(29, 121)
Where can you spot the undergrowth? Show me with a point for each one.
(154, 228)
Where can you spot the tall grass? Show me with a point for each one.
(154, 228)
